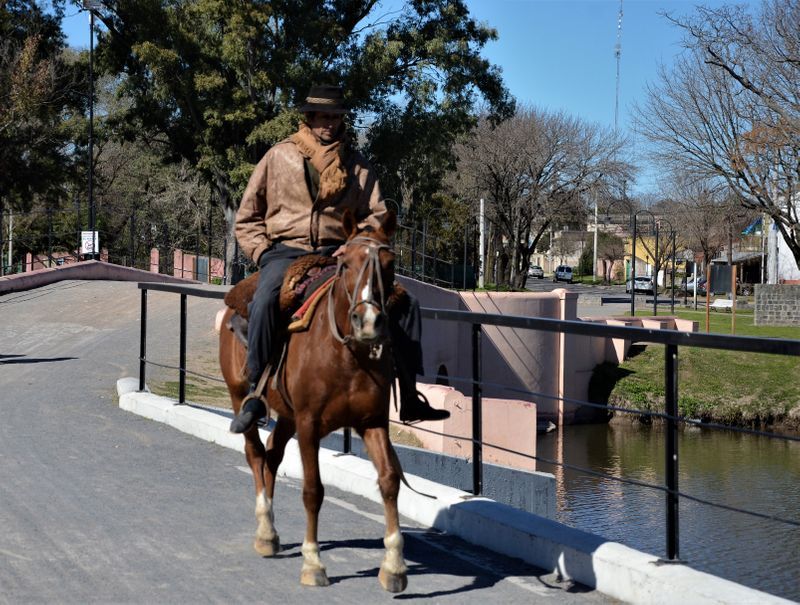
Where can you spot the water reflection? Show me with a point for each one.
(754, 473)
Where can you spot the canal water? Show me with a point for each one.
(749, 472)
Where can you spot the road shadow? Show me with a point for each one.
(431, 553)
(11, 359)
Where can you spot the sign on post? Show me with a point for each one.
(90, 242)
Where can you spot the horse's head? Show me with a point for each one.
(366, 272)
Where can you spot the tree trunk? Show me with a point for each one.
(229, 206)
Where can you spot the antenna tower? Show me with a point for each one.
(618, 54)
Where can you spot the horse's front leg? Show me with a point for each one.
(313, 572)
(393, 572)
(267, 542)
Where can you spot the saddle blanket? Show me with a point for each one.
(306, 280)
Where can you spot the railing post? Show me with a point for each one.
(142, 339)
(347, 441)
(671, 471)
(477, 427)
(182, 360)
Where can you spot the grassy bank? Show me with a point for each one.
(730, 387)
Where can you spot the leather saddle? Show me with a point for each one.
(305, 282)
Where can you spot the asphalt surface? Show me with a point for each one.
(101, 506)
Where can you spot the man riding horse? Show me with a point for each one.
(293, 206)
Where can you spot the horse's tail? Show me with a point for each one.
(399, 470)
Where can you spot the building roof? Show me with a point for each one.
(738, 257)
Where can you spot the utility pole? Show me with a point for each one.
(482, 248)
(91, 6)
(618, 55)
(2, 257)
(594, 256)
(10, 238)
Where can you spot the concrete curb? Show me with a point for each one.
(611, 568)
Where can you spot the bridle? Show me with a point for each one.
(367, 274)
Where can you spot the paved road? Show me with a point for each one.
(98, 505)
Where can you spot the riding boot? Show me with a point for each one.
(252, 410)
(405, 322)
(414, 406)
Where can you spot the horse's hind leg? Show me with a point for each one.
(313, 572)
(393, 572)
(267, 542)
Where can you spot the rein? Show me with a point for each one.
(368, 271)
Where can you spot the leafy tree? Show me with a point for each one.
(37, 95)
(729, 109)
(32, 97)
(219, 79)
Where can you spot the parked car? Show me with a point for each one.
(688, 286)
(563, 273)
(536, 271)
(642, 283)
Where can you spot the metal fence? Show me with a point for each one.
(53, 236)
(673, 342)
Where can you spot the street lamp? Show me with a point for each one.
(632, 225)
(91, 6)
(594, 255)
(672, 285)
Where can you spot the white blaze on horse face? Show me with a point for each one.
(369, 318)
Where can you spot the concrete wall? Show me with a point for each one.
(529, 491)
(507, 423)
(777, 305)
(33, 262)
(184, 265)
(520, 360)
(545, 368)
(90, 269)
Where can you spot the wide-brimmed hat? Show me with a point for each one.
(327, 99)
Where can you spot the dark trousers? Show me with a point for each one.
(264, 328)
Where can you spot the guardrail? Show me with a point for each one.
(671, 340)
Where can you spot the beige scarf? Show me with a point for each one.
(328, 161)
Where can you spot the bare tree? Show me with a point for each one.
(534, 170)
(730, 110)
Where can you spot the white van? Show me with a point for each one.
(563, 273)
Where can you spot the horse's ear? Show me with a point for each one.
(349, 223)
(389, 223)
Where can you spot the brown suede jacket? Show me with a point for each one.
(277, 205)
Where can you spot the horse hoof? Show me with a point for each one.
(392, 582)
(314, 576)
(267, 548)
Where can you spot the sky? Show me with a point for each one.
(559, 54)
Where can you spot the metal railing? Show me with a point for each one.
(672, 341)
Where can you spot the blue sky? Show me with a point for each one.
(559, 54)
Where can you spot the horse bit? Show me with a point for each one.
(369, 270)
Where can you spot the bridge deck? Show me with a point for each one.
(99, 505)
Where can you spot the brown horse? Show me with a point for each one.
(336, 374)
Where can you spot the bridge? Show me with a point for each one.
(101, 505)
